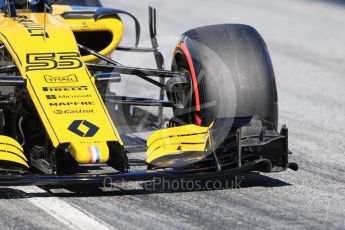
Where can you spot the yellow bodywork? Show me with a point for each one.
(12, 155)
(61, 87)
(178, 146)
(85, 23)
(66, 98)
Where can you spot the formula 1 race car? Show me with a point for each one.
(55, 106)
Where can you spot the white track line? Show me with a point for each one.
(65, 213)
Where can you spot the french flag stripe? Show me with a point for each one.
(95, 154)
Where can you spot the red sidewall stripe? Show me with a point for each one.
(185, 50)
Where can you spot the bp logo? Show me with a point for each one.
(83, 128)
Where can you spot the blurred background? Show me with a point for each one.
(306, 40)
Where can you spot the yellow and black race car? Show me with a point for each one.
(55, 67)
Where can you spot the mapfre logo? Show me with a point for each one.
(72, 78)
(75, 103)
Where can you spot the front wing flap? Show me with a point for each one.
(225, 143)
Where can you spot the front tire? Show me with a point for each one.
(231, 75)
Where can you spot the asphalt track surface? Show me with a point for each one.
(306, 40)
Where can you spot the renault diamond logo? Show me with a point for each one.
(83, 128)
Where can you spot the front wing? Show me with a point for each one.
(224, 149)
